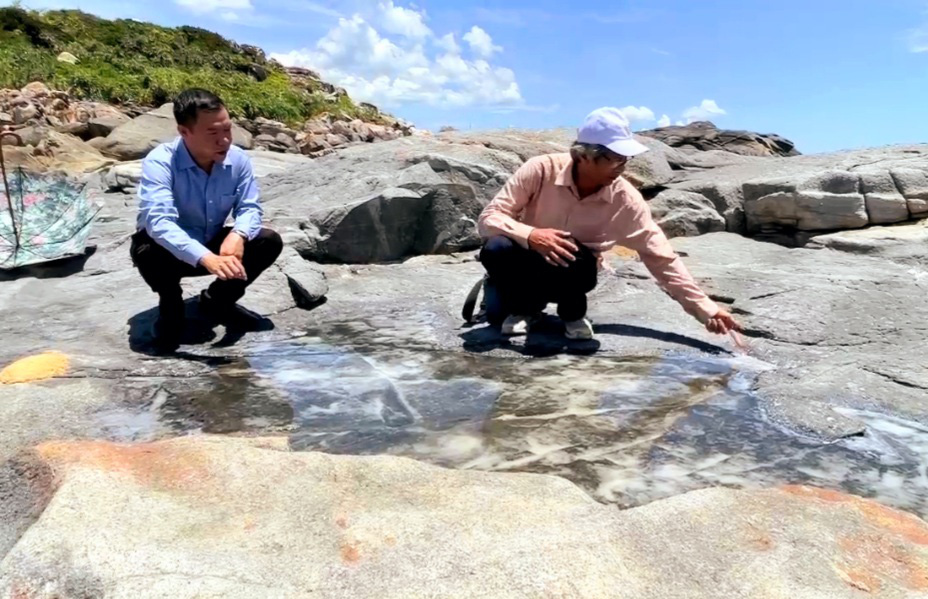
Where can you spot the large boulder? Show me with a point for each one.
(816, 193)
(244, 518)
(703, 135)
(125, 176)
(685, 214)
(138, 137)
(386, 201)
(50, 150)
(649, 171)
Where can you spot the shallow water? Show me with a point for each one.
(629, 431)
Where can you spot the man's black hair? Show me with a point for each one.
(191, 102)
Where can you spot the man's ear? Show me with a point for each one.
(183, 131)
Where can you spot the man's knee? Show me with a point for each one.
(584, 269)
(498, 248)
(271, 244)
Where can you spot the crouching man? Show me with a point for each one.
(545, 232)
(189, 187)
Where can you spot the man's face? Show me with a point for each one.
(210, 137)
(606, 169)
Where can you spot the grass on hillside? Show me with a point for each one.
(126, 61)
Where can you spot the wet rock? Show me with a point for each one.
(133, 140)
(370, 518)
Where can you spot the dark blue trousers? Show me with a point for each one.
(523, 282)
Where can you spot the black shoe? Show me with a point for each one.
(231, 315)
(169, 328)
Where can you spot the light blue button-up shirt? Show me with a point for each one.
(182, 208)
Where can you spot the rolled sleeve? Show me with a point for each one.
(248, 212)
(501, 215)
(647, 238)
(159, 213)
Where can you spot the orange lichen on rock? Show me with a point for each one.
(860, 580)
(350, 553)
(164, 466)
(870, 558)
(889, 546)
(624, 253)
(908, 526)
(35, 368)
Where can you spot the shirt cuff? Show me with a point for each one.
(196, 254)
(520, 232)
(243, 233)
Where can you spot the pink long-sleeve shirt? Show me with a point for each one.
(542, 194)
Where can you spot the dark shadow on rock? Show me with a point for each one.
(546, 339)
(627, 330)
(56, 269)
(235, 333)
(200, 330)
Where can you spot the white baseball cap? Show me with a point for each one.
(609, 127)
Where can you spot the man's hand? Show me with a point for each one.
(722, 323)
(233, 245)
(224, 267)
(556, 246)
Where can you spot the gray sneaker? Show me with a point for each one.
(517, 324)
(578, 329)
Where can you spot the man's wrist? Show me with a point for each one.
(241, 234)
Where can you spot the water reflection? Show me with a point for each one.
(629, 431)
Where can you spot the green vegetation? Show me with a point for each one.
(126, 61)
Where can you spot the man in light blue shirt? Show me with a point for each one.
(189, 188)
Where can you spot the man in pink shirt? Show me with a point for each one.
(546, 230)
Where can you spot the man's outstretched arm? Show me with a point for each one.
(645, 237)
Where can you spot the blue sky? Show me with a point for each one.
(827, 74)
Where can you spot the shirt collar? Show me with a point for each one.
(186, 161)
(565, 178)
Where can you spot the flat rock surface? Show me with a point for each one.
(216, 517)
(830, 394)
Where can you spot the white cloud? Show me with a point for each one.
(664, 121)
(481, 42)
(706, 110)
(209, 6)
(229, 16)
(638, 113)
(680, 123)
(372, 67)
(449, 44)
(402, 21)
(918, 39)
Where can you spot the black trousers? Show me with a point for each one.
(525, 283)
(163, 272)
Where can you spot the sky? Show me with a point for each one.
(826, 74)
